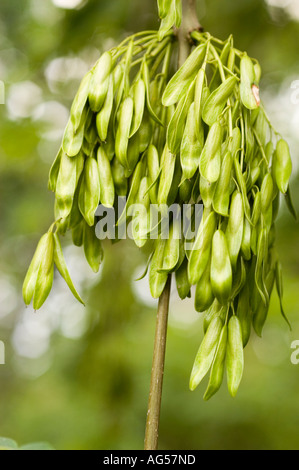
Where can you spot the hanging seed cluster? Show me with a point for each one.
(196, 136)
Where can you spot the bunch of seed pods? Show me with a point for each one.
(159, 137)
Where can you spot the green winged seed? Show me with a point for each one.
(80, 101)
(62, 268)
(54, 170)
(221, 197)
(66, 185)
(104, 116)
(123, 131)
(89, 195)
(204, 296)
(207, 191)
(246, 241)
(248, 88)
(45, 275)
(168, 161)
(138, 95)
(157, 280)
(235, 226)
(182, 281)
(191, 145)
(221, 270)
(244, 314)
(181, 80)
(235, 355)
(119, 179)
(198, 97)
(172, 248)
(267, 192)
(201, 251)
(92, 248)
(282, 166)
(261, 313)
(32, 272)
(206, 353)
(257, 209)
(217, 369)
(215, 310)
(73, 140)
(99, 82)
(217, 100)
(176, 126)
(107, 190)
(210, 158)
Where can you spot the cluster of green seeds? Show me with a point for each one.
(196, 136)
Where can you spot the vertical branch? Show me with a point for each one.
(189, 23)
(155, 396)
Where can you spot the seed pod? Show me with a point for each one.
(267, 191)
(168, 20)
(243, 188)
(66, 185)
(235, 226)
(176, 126)
(138, 95)
(207, 191)
(180, 82)
(77, 234)
(201, 251)
(107, 191)
(282, 166)
(279, 288)
(257, 209)
(215, 310)
(89, 195)
(244, 314)
(123, 131)
(92, 248)
(119, 179)
(248, 88)
(191, 146)
(206, 353)
(217, 370)
(235, 355)
(62, 268)
(221, 195)
(157, 279)
(146, 78)
(103, 117)
(246, 241)
(217, 100)
(73, 140)
(182, 281)
(168, 161)
(198, 97)
(32, 272)
(53, 174)
(136, 178)
(153, 165)
(210, 158)
(204, 296)
(79, 102)
(262, 248)
(261, 313)
(172, 248)
(221, 270)
(290, 205)
(99, 82)
(140, 213)
(45, 275)
(185, 189)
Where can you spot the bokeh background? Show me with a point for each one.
(79, 377)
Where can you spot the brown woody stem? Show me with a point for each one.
(189, 23)
(155, 395)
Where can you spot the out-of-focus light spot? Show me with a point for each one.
(22, 99)
(182, 315)
(291, 7)
(68, 4)
(74, 323)
(52, 118)
(43, 12)
(141, 288)
(31, 337)
(8, 298)
(64, 69)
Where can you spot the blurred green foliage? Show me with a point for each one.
(80, 378)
